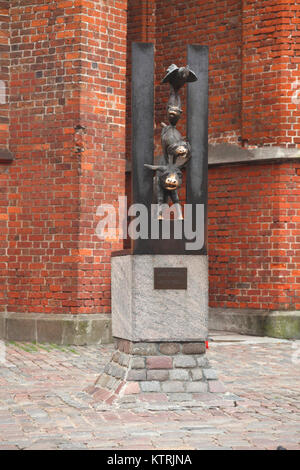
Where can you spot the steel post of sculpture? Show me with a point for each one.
(197, 130)
(176, 152)
(142, 100)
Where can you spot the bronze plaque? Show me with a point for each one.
(170, 278)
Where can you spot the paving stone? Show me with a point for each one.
(150, 386)
(194, 348)
(144, 349)
(184, 361)
(137, 374)
(102, 381)
(179, 374)
(116, 356)
(173, 386)
(131, 388)
(169, 348)
(117, 371)
(260, 409)
(210, 374)
(215, 386)
(197, 387)
(124, 359)
(179, 397)
(112, 383)
(138, 363)
(202, 361)
(196, 374)
(159, 374)
(159, 362)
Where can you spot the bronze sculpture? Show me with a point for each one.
(176, 151)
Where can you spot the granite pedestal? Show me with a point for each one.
(142, 313)
(160, 334)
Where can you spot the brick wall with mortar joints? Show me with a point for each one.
(48, 57)
(270, 72)
(44, 178)
(67, 134)
(4, 147)
(141, 27)
(4, 73)
(103, 115)
(216, 24)
(254, 236)
(229, 28)
(141, 21)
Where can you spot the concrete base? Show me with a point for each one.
(279, 324)
(96, 329)
(58, 329)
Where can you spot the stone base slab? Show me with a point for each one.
(156, 371)
(276, 324)
(58, 329)
(141, 312)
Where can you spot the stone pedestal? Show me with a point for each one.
(142, 313)
(160, 334)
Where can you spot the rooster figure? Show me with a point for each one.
(176, 151)
(177, 77)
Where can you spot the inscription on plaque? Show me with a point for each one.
(170, 278)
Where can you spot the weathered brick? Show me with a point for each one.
(173, 386)
(136, 375)
(159, 362)
(104, 378)
(193, 348)
(131, 388)
(196, 374)
(153, 386)
(184, 361)
(123, 345)
(215, 386)
(111, 383)
(124, 359)
(144, 349)
(202, 361)
(138, 363)
(169, 348)
(102, 394)
(196, 387)
(159, 374)
(116, 356)
(210, 374)
(117, 371)
(179, 374)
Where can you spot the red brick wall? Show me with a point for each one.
(4, 124)
(253, 71)
(216, 24)
(254, 236)
(43, 203)
(270, 72)
(253, 68)
(141, 22)
(68, 98)
(67, 73)
(103, 114)
(4, 73)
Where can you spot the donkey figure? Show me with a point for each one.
(168, 178)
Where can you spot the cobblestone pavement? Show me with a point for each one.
(43, 404)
